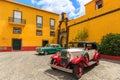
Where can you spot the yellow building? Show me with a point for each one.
(102, 17)
(24, 27)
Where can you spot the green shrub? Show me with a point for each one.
(110, 44)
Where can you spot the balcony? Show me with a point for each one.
(16, 21)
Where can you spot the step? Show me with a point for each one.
(61, 68)
(92, 62)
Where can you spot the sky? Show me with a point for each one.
(73, 8)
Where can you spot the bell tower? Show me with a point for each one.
(63, 30)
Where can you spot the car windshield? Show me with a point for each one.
(50, 45)
(80, 45)
(89, 45)
(63, 53)
(77, 45)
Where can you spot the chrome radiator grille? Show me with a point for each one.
(64, 61)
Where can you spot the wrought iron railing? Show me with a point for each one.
(17, 20)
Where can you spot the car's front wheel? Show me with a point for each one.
(78, 70)
(53, 61)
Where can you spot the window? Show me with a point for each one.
(17, 16)
(39, 32)
(17, 30)
(58, 46)
(52, 24)
(39, 22)
(52, 33)
(99, 4)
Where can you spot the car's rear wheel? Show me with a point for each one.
(78, 70)
(45, 53)
(53, 61)
(97, 61)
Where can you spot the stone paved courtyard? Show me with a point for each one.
(30, 66)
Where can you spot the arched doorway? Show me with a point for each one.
(63, 41)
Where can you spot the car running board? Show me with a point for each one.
(92, 62)
(61, 68)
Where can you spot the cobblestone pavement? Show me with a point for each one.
(30, 66)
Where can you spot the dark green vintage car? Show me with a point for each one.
(50, 48)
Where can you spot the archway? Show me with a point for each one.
(63, 41)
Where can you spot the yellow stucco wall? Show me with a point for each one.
(99, 26)
(28, 34)
(63, 27)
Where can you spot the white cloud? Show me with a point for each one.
(60, 6)
(33, 1)
(81, 8)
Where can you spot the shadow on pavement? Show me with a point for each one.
(61, 75)
(89, 68)
(39, 54)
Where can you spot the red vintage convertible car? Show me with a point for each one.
(74, 60)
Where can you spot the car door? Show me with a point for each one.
(91, 53)
(52, 49)
(55, 47)
(58, 48)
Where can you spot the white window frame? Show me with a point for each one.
(51, 33)
(17, 30)
(39, 21)
(17, 16)
(52, 23)
(39, 32)
(99, 3)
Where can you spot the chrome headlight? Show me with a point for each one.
(58, 53)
